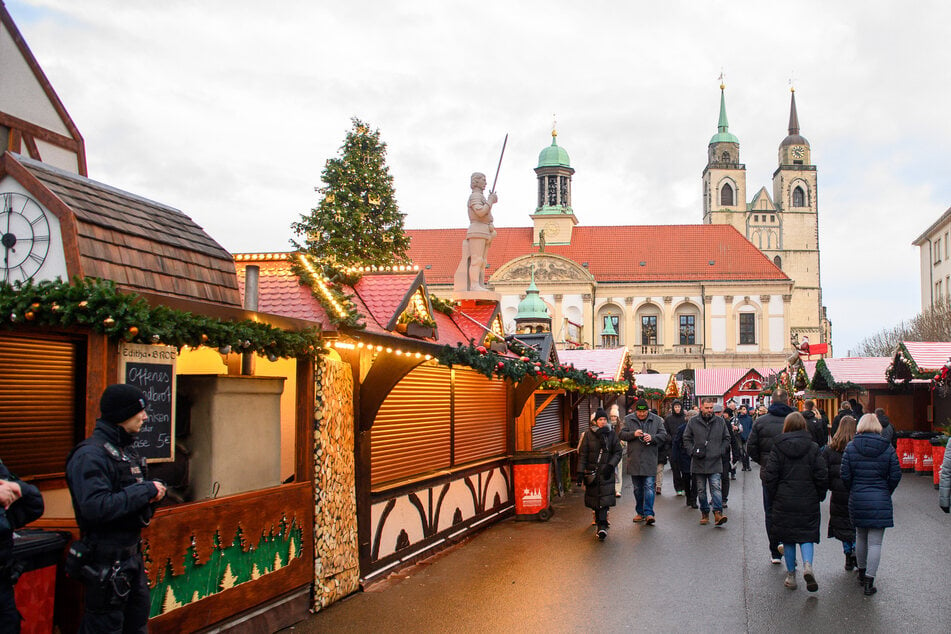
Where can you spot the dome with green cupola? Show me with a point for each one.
(554, 155)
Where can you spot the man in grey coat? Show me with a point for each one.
(707, 439)
(644, 433)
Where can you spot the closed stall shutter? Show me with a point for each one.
(584, 415)
(411, 432)
(38, 396)
(548, 430)
(480, 417)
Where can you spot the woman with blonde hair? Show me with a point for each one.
(840, 523)
(796, 480)
(871, 471)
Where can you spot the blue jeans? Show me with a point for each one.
(789, 553)
(643, 494)
(716, 491)
(848, 548)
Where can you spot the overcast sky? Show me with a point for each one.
(229, 109)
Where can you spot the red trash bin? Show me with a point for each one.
(39, 552)
(923, 457)
(532, 483)
(906, 451)
(937, 458)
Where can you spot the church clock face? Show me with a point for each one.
(551, 229)
(798, 151)
(24, 237)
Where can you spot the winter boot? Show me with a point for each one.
(810, 577)
(602, 534)
(790, 580)
(861, 576)
(704, 519)
(719, 518)
(870, 588)
(850, 562)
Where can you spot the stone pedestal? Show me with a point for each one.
(235, 438)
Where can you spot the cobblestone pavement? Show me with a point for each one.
(676, 576)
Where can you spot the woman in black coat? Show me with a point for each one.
(598, 454)
(840, 522)
(796, 479)
(871, 470)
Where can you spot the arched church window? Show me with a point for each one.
(798, 197)
(778, 261)
(725, 157)
(726, 195)
(552, 191)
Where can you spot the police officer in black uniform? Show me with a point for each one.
(20, 503)
(113, 499)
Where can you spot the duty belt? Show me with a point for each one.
(108, 554)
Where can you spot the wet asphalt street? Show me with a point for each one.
(676, 576)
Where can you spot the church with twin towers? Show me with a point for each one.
(739, 290)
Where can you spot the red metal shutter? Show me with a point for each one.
(38, 396)
(548, 429)
(411, 432)
(480, 417)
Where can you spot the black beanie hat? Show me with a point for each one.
(600, 414)
(121, 402)
(642, 404)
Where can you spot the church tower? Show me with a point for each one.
(724, 177)
(795, 192)
(553, 215)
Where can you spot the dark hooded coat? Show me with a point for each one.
(599, 447)
(840, 523)
(765, 429)
(796, 478)
(871, 470)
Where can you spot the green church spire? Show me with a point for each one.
(723, 126)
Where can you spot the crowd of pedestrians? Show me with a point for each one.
(803, 457)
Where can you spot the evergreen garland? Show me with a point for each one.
(98, 305)
(334, 279)
(357, 221)
(492, 364)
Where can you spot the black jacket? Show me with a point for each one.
(840, 524)
(711, 434)
(888, 430)
(108, 483)
(672, 423)
(796, 478)
(22, 512)
(599, 447)
(765, 429)
(817, 427)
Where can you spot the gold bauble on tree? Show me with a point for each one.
(133, 330)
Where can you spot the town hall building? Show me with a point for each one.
(731, 292)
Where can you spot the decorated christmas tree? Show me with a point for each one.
(357, 222)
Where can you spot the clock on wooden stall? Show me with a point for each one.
(24, 237)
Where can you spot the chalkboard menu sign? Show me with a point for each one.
(152, 370)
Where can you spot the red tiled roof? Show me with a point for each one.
(613, 254)
(281, 293)
(480, 313)
(383, 294)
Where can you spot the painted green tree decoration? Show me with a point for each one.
(357, 222)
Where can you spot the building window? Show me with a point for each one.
(747, 329)
(755, 218)
(798, 197)
(688, 330)
(947, 246)
(772, 218)
(565, 201)
(552, 191)
(649, 330)
(937, 291)
(937, 250)
(725, 157)
(726, 196)
(778, 261)
(541, 192)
